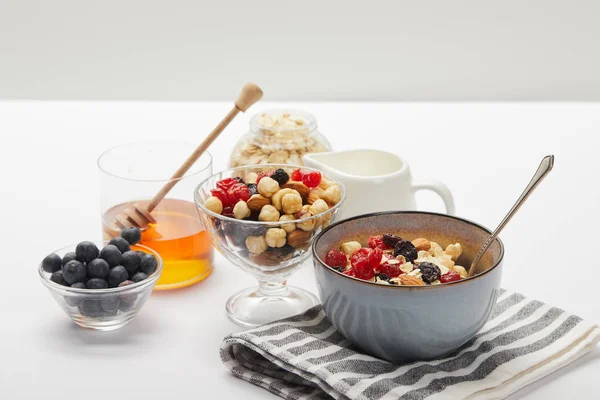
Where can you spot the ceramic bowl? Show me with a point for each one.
(407, 323)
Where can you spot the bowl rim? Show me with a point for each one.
(151, 280)
(200, 205)
(401, 287)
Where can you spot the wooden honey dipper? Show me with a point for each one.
(140, 215)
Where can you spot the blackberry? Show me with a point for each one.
(406, 249)
(252, 188)
(120, 243)
(131, 261)
(74, 272)
(140, 276)
(70, 256)
(117, 275)
(383, 277)
(280, 176)
(97, 268)
(57, 277)
(111, 255)
(429, 272)
(132, 235)
(86, 251)
(148, 264)
(96, 283)
(391, 240)
(51, 263)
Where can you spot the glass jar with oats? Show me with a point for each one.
(279, 137)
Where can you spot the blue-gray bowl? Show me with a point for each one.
(407, 323)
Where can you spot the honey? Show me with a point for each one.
(179, 238)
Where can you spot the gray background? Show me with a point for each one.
(300, 50)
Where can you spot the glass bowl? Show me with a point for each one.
(273, 299)
(102, 309)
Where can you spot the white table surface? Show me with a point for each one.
(485, 153)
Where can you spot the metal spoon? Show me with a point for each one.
(543, 170)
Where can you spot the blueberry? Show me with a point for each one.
(131, 262)
(126, 305)
(57, 277)
(90, 308)
(51, 263)
(70, 256)
(110, 303)
(111, 255)
(117, 275)
(140, 276)
(97, 268)
(280, 176)
(86, 251)
(132, 235)
(74, 272)
(97, 283)
(148, 264)
(74, 299)
(122, 244)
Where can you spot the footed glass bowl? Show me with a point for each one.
(273, 299)
(102, 309)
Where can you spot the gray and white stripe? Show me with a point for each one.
(304, 357)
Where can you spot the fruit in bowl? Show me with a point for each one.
(103, 285)
(263, 218)
(415, 315)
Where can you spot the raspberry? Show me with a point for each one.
(223, 196)
(377, 242)
(391, 270)
(336, 258)
(349, 272)
(362, 264)
(365, 273)
(238, 192)
(450, 277)
(374, 258)
(227, 183)
(297, 175)
(312, 179)
(359, 254)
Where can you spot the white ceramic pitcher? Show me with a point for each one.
(375, 181)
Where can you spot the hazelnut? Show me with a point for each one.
(332, 195)
(291, 203)
(314, 195)
(268, 213)
(326, 183)
(350, 247)
(307, 224)
(289, 227)
(454, 250)
(275, 237)
(241, 210)
(318, 207)
(256, 244)
(213, 204)
(276, 198)
(267, 186)
(252, 177)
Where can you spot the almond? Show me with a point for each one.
(421, 244)
(257, 201)
(299, 238)
(408, 280)
(300, 187)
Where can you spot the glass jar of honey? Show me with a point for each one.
(132, 174)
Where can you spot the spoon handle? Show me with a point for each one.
(543, 170)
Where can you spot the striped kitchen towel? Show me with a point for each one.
(304, 357)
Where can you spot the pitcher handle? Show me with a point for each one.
(440, 189)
